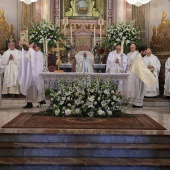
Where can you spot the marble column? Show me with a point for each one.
(46, 10)
(121, 10)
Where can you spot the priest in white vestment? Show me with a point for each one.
(11, 60)
(139, 76)
(84, 60)
(30, 83)
(153, 64)
(167, 78)
(116, 62)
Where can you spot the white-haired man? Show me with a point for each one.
(11, 60)
(153, 64)
(84, 60)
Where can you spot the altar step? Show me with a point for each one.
(46, 163)
(54, 151)
(85, 150)
(156, 102)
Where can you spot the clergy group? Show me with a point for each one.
(22, 68)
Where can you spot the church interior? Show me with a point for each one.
(139, 140)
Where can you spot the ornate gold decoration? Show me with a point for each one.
(84, 8)
(161, 37)
(59, 47)
(4, 30)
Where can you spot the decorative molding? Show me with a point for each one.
(57, 12)
(109, 10)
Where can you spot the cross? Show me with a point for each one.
(58, 57)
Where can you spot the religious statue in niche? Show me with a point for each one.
(83, 8)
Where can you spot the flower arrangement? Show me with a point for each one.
(44, 30)
(122, 31)
(86, 98)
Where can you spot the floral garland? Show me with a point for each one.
(86, 98)
(44, 30)
(122, 31)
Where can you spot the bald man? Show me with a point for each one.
(116, 62)
(84, 60)
(153, 64)
(139, 77)
(11, 60)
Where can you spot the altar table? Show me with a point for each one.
(50, 78)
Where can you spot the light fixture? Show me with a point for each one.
(28, 1)
(138, 3)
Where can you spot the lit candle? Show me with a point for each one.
(94, 35)
(122, 45)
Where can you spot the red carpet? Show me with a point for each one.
(135, 122)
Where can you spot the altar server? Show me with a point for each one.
(84, 60)
(153, 64)
(116, 62)
(11, 60)
(167, 78)
(30, 83)
(140, 76)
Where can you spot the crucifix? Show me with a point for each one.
(58, 56)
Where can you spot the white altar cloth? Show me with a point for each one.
(50, 78)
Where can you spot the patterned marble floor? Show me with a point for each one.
(9, 109)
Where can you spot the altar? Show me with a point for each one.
(50, 78)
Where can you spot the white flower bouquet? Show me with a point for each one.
(44, 30)
(122, 31)
(86, 98)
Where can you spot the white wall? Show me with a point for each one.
(12, 10)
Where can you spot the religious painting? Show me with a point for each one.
(83, 8)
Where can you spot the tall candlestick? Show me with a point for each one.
(71, 34)
(122, 45)
(100, 34)
(94, 35)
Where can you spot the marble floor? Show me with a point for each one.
(9, 109)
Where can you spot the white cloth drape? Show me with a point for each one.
(167, 78)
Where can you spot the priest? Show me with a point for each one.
(84, 60)
(167, 78)
(11, 60)
(30, 83)
(116, 61)
(153, 64)
(139, 77)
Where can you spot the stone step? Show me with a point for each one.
(84, 138)
(85, 150)
(156, 102)
(57, 163)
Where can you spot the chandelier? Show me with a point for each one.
(28, 1)
(138, 3)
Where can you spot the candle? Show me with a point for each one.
(46, 46)
(71, 34)
(100, 34)
(94, 35)
(122, 45)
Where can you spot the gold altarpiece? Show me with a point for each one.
(161, 38)
(5, 31)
